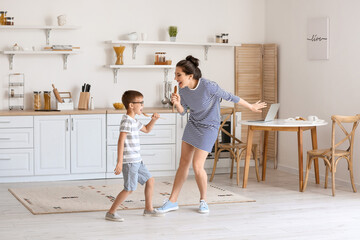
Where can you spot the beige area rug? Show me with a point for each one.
(88, 198)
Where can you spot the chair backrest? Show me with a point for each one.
(339, 120)
(228, 113)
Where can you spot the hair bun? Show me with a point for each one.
(193, 60)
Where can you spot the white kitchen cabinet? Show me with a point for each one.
(52, 144)
(158, 148)
(70, 144)
(16, 162)
(88, 146)
(16, 146)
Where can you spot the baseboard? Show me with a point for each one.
(295, 171)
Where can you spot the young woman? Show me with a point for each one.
(203, 98)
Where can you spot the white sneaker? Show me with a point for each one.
(113, 217)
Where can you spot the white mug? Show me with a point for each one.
(61, 20)
(313, 118)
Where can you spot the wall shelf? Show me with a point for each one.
(115, 69)
(206, 45)
(47, 29)
(13, 53)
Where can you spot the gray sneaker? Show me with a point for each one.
(153, 213)
(113, 217)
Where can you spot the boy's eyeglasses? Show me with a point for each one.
(142, 103)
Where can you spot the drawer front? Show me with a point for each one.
(158, 157)
(16, 138)
(160, 134)
(169, 118)
(155, 157)
(17, 122)
(114, 119)
(16, 162)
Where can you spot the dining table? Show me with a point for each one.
(287, 125)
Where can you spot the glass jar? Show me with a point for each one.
(157, 57)
(218, 39)
(225, 37)
(3, 17)
(9, 21)
(37, 100)
(47, 99)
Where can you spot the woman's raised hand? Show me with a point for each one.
(256, 107)
(175, 98)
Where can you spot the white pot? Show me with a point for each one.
(172, 39)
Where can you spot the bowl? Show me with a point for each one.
(132, 36)
(118, 106)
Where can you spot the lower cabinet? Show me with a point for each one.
(16, 146)
(67, 144)
(158, 148)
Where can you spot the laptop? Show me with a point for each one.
(270, 116)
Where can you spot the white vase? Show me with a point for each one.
(172, 39)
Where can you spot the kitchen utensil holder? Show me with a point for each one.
(84, 101)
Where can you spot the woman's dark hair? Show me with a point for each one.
(190, 66)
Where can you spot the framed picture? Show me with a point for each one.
(318, 38)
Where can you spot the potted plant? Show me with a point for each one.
(172, 33)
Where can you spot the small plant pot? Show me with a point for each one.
(172, 39)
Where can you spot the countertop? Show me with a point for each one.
(78, 112)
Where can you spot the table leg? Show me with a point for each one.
(316, 162)
(248, 154)
(266, 136)
(300, 152)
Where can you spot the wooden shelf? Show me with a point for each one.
(115, 69)
(206, 45)
(13, 53)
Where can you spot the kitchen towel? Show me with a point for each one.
(92, 197)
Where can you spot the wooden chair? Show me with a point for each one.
(332, 156)
(236, 147)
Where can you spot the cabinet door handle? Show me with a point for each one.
(6, 121)
(5, 138)
(72, 124)
(5, 159)
(182, 121)
(67, 124)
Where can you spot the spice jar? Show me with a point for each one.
(3, 17)
(225, 37)
(157, 57)
(47, 99)
(37, 100)
(218, 39)
(9, 21)
(12, 92)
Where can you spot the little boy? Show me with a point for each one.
(129, 159)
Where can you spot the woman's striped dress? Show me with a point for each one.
(204, 121)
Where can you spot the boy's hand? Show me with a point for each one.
(118, 169)
(155, 116)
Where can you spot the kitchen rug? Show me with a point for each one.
(88, 198)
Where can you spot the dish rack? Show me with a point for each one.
(16, 91)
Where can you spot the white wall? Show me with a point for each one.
(322, 87)
(198, 21)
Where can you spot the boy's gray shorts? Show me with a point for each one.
(134, 173)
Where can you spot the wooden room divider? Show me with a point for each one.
(256, 79)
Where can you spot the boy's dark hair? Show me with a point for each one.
(129, 96)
